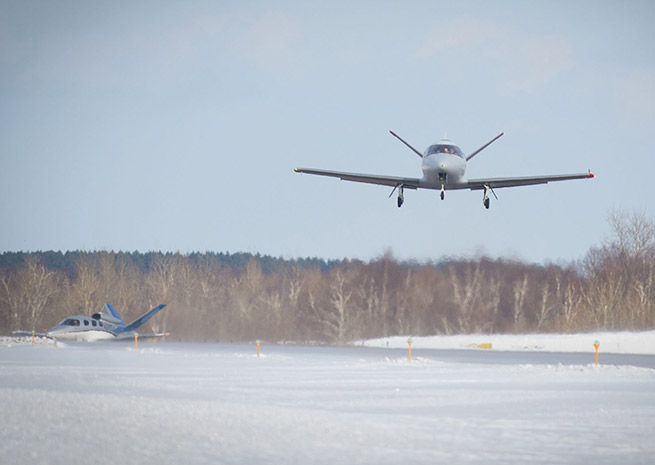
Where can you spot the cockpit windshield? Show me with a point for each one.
(71, 322)
(444, 148)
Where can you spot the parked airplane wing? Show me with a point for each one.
(393, 181)
(142, 319)
(153, 335)
(497, 183)
(28, 333)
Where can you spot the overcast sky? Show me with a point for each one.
(175, 126)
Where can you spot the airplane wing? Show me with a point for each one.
(28, 333)
(154, 335)
(142, 319)
(392, 181)
(497, 183)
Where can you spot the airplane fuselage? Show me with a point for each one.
(443, 165)
(83, 328)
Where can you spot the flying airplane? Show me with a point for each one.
(444, 166)
(99, 326)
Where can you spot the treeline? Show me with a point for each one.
(242, 297)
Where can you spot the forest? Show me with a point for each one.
(242, 297)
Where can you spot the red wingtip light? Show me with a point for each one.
(592, 175)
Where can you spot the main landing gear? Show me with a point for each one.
(401, 194)
(485, 199)
(443, 192)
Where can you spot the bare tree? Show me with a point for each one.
(464, 292)
(336, 318)
(84, 288)
(29, 293)
(605, 289)
(633, 234)
(404, 318)
(619, 275)
(476, 294)
(11, 300)
(547, 303)
(519, 291)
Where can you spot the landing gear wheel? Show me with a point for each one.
(401, 196)
(485, 199)
(443, 195)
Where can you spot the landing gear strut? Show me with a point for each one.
(401, 196)
(485, 199)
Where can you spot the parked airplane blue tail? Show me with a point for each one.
(139, 321)
(114, 313)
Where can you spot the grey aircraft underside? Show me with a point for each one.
(444, 168)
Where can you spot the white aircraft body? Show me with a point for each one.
(97, 327)
(444, 168)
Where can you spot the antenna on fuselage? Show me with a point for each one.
(401, 140)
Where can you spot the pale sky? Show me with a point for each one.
(176, 126)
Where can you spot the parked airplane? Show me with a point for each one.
(444, 165)
(99, 326)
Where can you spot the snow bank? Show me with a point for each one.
(610, 342)
(9, 341)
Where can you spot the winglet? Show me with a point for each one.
(401, 140)
(484, 146)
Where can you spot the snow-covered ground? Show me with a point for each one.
(612, 343)
(221, 404)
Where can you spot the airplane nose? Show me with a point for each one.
(54, 331)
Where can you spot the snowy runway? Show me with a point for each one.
(220, 404)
